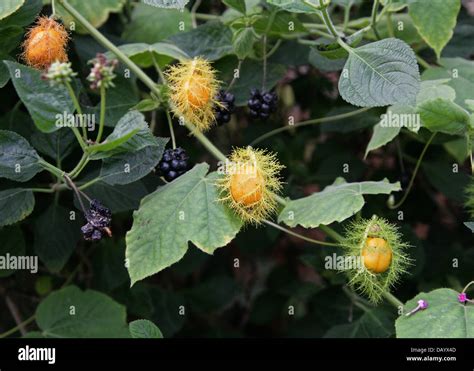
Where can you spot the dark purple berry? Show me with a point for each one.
(225, 108)
(173, 164)
(262, 105)
(99, 219)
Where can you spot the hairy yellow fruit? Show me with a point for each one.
(377, 255)
(45, 43)
(250, 182)
(247, 188)
(198, 94)
(193, 88)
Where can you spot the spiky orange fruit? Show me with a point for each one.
(45, 43)
(377, 255)
(247, 187)
(198, 94)
(193, 88)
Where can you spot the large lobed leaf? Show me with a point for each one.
(445, 317)
(184, 210)
(335, 203)
(380, 74)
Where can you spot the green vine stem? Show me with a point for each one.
(467, 286)
(308, 122)
(78, 108)
(18, 327)
(170, 124)
(415, 172)
(373, 22)
(392, 299)
(103, 97)
(287, 231)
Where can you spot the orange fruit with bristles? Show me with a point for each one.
(45, 43)
(246, 187)
(198, 93)
(377, 255)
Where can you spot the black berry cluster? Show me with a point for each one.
(226, 107)
(98, 218)
(173, 164)
(262, 104)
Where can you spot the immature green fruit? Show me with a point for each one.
(377, 255)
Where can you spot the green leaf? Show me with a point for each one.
(395, 5)
(435, 21)
(444, 116)
(433, 89)
(445, 317)
(8, 7)
(460, 73)
(294, 6)
(470, 225)
(380, 74)
(151, 24)
(374, 323)
(212, 41)
(56, 237)
(13, 243)
(238, 5)
(170, 4)
(18, 160)
(73, 313)
(384, 132)
(24, 16)
(279, 25)
(335, 203)
(184, 210)
(243, 41)
(97, 13)
(44, 102)
(117, 198)
(133, 124)
(142, 53)
(144, 329)
(128, 167)
(119, 99)
(57, 145)
(15, 205)
(458, 148)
